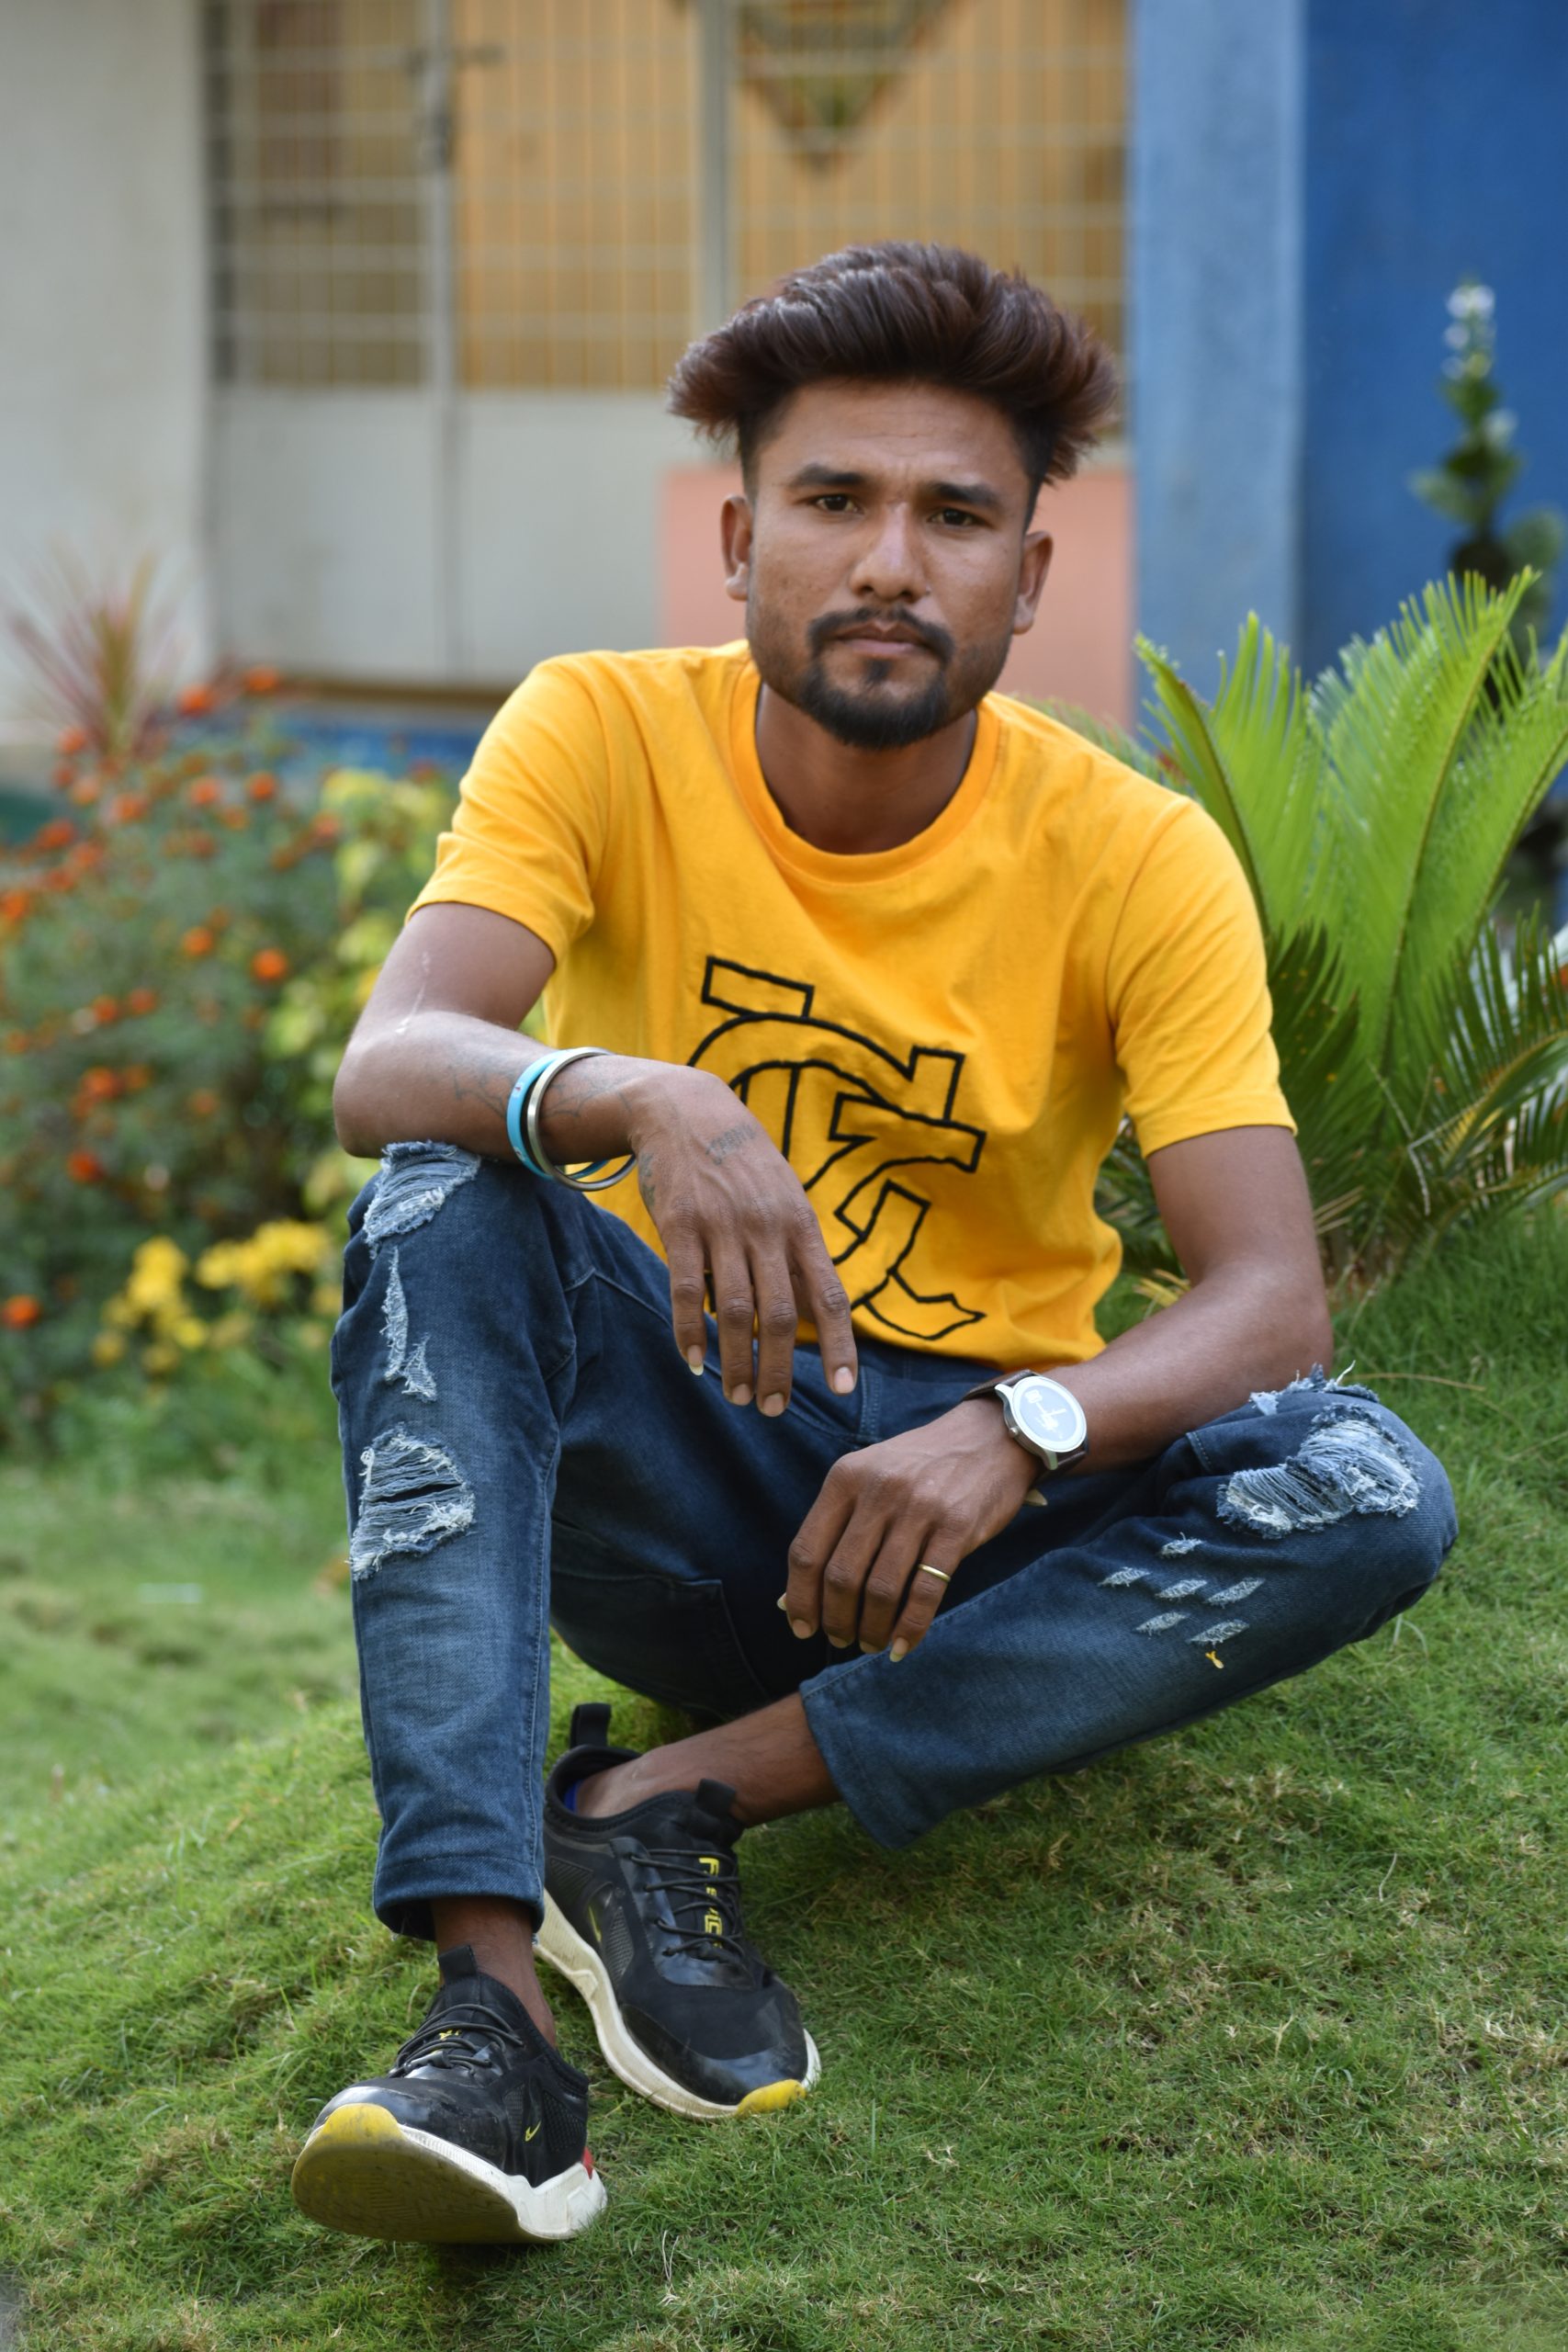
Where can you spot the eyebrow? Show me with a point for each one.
(978, 494)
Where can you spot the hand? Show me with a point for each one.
(729, 1206)
(932, 1496)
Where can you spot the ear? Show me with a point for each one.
(1038, 546)
(735, 537)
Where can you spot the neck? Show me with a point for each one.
(849, 802)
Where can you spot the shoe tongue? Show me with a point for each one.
(702, 1811)
(457, 1963)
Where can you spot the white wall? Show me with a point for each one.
(103, 361)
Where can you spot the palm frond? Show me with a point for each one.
(1395, 718)
(1254, 759)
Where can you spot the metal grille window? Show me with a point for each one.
(509, 194)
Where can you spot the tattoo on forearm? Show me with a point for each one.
(487, 1081)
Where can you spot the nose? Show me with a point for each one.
(887, 569)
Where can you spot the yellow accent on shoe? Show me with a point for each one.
(771, 2096)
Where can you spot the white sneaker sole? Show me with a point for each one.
(364, 2172)
(559, 1943)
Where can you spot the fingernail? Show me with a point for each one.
(843, 1380)
(740, 1394)
(800, 1629)
(870, 1648)
(834, 1642)
(783, 1600)
(898, 1650)
(694, 1358)
(771, 1405)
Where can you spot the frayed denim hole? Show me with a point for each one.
(411, 1497)
(1349, 1463)
(416, 1181)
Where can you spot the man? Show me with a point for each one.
(872, 963)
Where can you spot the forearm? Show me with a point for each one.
(1241, 1329)
(447, 1076)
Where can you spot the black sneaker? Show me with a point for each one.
(642, 1913)
(478, 2135)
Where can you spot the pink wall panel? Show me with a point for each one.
(1079, 650)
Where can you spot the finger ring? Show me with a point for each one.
(926, 1569)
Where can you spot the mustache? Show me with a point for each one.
(927, 633)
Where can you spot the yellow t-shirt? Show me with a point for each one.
(942, 1037)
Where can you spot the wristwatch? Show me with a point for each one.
(1046, 1418)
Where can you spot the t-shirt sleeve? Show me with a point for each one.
(1188, 994)
(529, 829)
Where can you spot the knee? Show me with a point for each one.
(1340, 1462)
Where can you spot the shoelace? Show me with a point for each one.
(690, 1889)
(458, 2036)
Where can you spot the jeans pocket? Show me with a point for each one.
(669, 1638)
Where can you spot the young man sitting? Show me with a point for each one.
(857, 966)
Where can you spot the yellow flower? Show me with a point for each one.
(108, 1348)
(189, 1332)
(159, 1358)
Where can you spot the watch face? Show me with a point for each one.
(1048, 1415)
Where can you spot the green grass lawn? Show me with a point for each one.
(1255, 2036)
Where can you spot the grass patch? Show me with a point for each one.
(1253, 2038)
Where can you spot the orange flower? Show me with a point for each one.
(203, 1103)
(57, 834)
(127, 806)
(325, 827)
(71, 741)
(205, 793)
(263, 785)
(84, 791)
(235, 818)
(64, 775)
(100, 1084)
(14, 904)
(261, 681)
(84, 858)
(198, 940)
(269, 964)
(105, 1009)
(141, 1001)
(136, 1075)
(193, 700)
(218, 917)
(15, 1041)
(83, 1168)
(200, 844)
(19, 1310)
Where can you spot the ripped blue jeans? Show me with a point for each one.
(523, 1443)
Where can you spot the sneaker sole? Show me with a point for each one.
(559, 1943)
(364, 2172)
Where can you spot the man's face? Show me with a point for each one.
(884, 558)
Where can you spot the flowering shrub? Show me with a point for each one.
(181, 956)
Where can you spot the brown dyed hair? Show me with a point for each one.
(905, 314)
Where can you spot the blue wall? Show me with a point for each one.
(1436, 137)
(1310, 178)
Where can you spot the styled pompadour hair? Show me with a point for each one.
(905, 314)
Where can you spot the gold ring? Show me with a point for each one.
(926, 1569)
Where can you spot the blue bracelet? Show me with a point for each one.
(517, 1102)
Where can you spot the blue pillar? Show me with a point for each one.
(1216, 307)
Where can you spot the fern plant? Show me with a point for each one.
(1372, 812)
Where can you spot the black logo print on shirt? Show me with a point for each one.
(845, 1113)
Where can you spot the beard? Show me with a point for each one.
(880, 712)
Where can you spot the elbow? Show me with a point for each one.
(354, 1130)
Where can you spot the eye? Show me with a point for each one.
(833, 502)
(959, 515)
